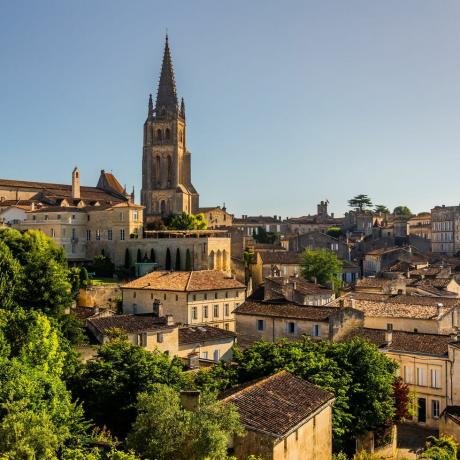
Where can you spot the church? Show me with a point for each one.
(166, 161)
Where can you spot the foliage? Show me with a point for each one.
(152, 255)
(356, 372)
(165, 430)
(74, 280)
(139, 256)
(186, 221)
(442, 448)
(110, 383)
(103, 266)
(339, 456)
(360, 202)
(10, 277)
(264, 237)
(127, 259)
(188, 261)
(363, 455)
(84, 277)
(402, 211)
(168, 259)
(403, 401)
(335, 232)
(381, 209)
(177, 264)
(322, 265)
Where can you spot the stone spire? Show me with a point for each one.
(182, 108)
(150, 112)
(166, 95)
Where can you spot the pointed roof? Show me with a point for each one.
(166, 95)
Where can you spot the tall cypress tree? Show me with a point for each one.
(168, 260)
(152, 255)
(177, 267)
(139, 256)
(127, 259)
(188, 261)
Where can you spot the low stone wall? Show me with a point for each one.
(99, 296)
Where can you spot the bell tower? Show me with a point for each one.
(166, 162)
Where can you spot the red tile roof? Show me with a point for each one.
(202, 334)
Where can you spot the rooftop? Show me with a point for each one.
(277, 404)
(408, 342)
(301, 285)
(281, 257)
(201, 334)
(131, 324)
(201, 280)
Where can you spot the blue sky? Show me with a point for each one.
(288, 103)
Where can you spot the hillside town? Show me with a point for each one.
(182, 331)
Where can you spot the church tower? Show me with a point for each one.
(166, 162)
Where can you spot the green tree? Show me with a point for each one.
(335, 232)
(442, 448)
(139, 256)
(382, 209)
(402, 211)
(127, 259)
(264, 237)
(322, 265)
(188, 261)
(109, 384)
(186, 221)
(177, 264)
(83, 277)
(360, 203)
(168, 260)
(152, 255)
(10, 277)
(165, 430)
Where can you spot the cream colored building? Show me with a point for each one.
(285, 418)
(425, 314)
(193, 298)
(217, 217)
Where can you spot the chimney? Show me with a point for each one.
(389, 335)
(76, 184)
(169, 320)
(190, 399)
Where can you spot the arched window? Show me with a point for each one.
(159, 136)
(163, 208)
(169, 168)
(157, 168)
(167, 134)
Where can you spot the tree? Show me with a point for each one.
(127, 259)
(83, 277)
(10, 277)
(381, 209)
(323, 266)
(403, 401)
(168, 259)
(110, 383)
(442, 448)
(152, 255)
(360, 202)
(188, 261)
(402, 211)
(264, 237)
(186, 221)
(177, 264)
(335, 232)
(139, 256)
(360, 376)
(165, 430)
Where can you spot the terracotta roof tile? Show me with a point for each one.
(202, 280)
(131, 324)
(302, 285)
(201, 334)
(277, 404)
(280, 257)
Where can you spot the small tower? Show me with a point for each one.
(76, 183)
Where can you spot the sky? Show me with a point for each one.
(288, 102)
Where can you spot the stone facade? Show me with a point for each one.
(445, 237)
(166, 162)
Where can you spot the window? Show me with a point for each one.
(194, 313)
(216, 311)
(167, 133)
(227, 309)
(164, 296)
(215, 295)
(98, 235)
(316, 330)
(408, 377)
(59, 217)
(227, 326)
(122, 216)
(151, 295)
(177, 297)
(46, 216)
(205, 311)
(290, 327)
(216, 355)
(435, 378)
(88, 235)
(435, 408)
(122, 234)
(134, 294)
(194, 297)
(141, 340)
(206, 297)
(226, 295)
(204, 355)
(160, 337)
(73, 216)
(109, 234)
(52, 232)
(420, 376)
(135, 216)
(260, 325)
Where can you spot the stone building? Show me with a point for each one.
(193, 298)
(217, 217)
(445, 236)
(420, 225)
(284, 417)
(166, 161)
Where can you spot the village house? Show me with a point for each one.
(379, 260)
(192, 297)
(250, 225)
(162, 334)
(410, 313)
(217, 217)
(425, 364)
(318, 240)
(420, 225)
(284, 417)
